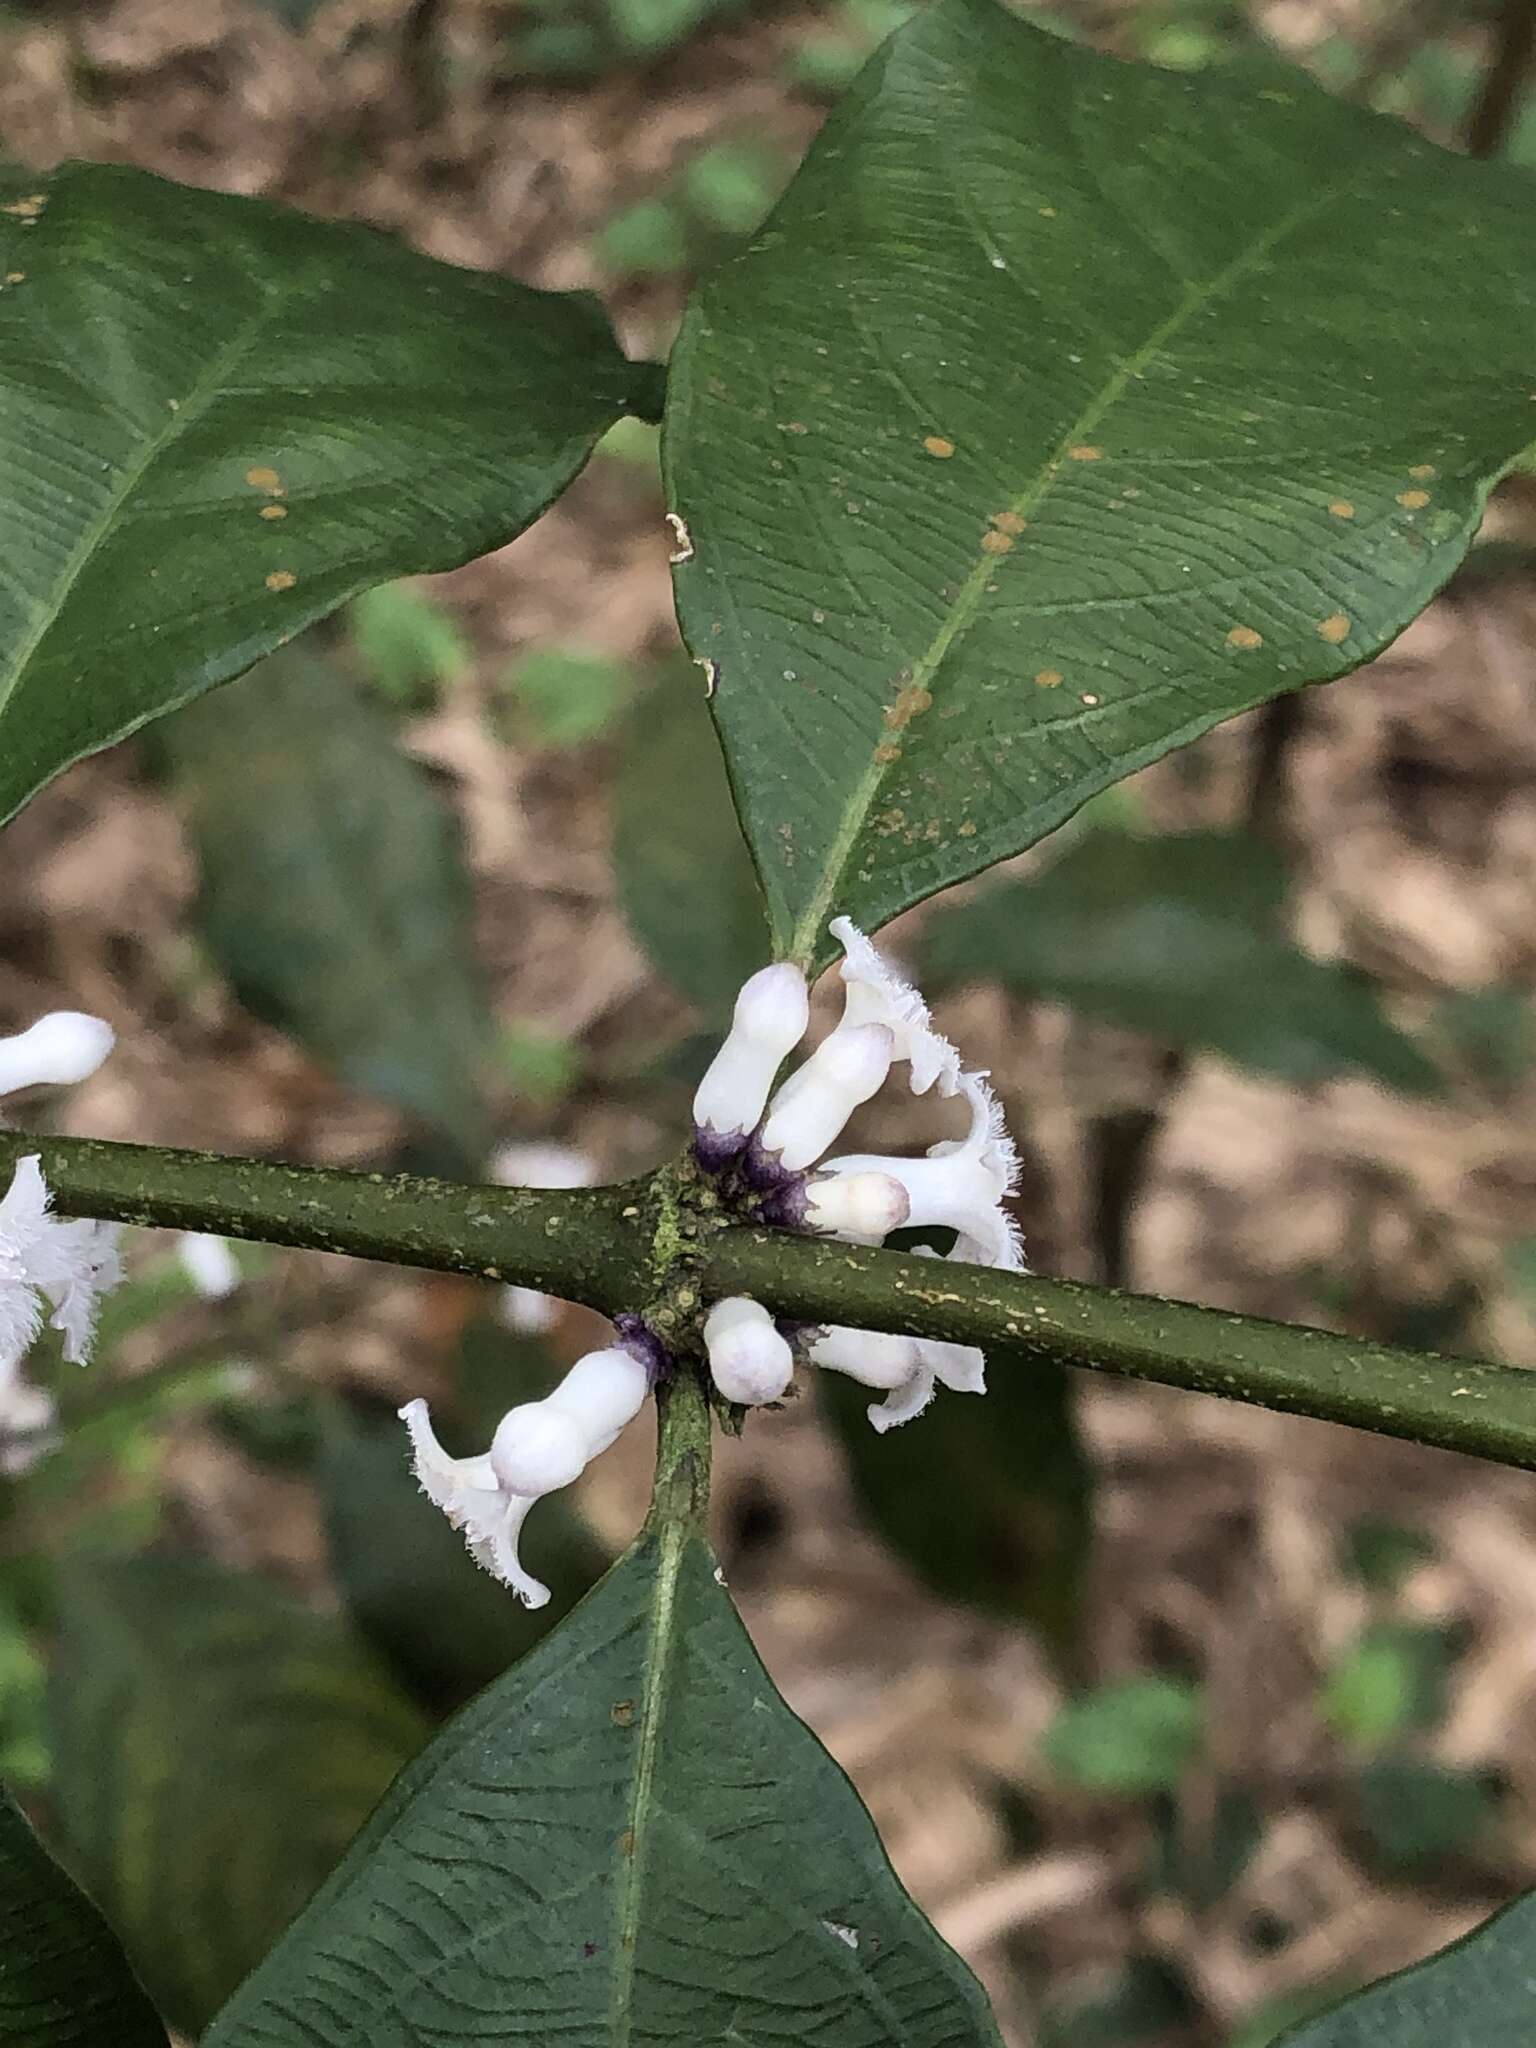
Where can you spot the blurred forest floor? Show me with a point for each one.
(1406, 801)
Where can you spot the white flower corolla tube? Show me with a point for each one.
(538, 1447)
(862, 1208)
(875, 993)
(542, 1163)
(64, 1046)
(905, 1369)
(768, 1022)
(68, 1265)
(808, 1113)
(750, 1361)
(208, 1263)
(960, 1184)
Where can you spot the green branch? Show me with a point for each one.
(589, 1245)
(600, 1246)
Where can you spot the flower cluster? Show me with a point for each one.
(765, 1148)
(45, 1261)
(773, 1143)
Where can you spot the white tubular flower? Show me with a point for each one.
(874, 1358)
(539, 1447)
(542, 1164)
(208, 1263)
(960, 1184)
(64, 1046)
(905, 1369)
(70, 1265)
(877, 994)
(768, 1022)
(808, 1113)
(749, 1361)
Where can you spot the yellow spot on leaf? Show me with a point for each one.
(1423, 471)
(274, 512)
(1413, 501)
(968, 829)
(1086, 452)
(910, 704)
(263, 479)
(1245, 637)
(1047, 213)
(885, 753)
(1048, 678)
(28, 208)
(937, 445)
(997, 543)
(1334, 628)
(15, 277)
(281, 579)
(1341, 508)
(1008, 522)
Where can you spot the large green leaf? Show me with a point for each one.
(219, 419)
(685, 880)
(217, 1748)
(1062, 409)
(333, 893)
(1479, 1993)
(1013, 1538)
(1180, 937)
(630, 1841)
(64, 1981)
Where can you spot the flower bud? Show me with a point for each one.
(863, 1208)
(814, 1104)
(748, 1359)
(769, 1021)
(64, 1046)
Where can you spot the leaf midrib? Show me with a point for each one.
(189, 409)
(1196, 298)
(635, 1847)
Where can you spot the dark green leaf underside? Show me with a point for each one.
(64, 1981)
(219, 419)
(1180, 937)
(1062, 409)
(217, 1747)
(628, 1840)
(1480, 1993)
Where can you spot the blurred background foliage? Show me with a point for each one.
(1181, 1721)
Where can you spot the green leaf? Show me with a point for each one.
(1135, 1736)
(1475, 1994)
(1013, 1538)
(178, 369)
(64, 1980)
(1416, 1813)
(333, 894)
(1392, 1680)
(217, 1747)
(628, 1839)
(686, 884)
(1178, 937)
(1062, 409)
(410, 647)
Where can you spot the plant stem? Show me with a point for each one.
(589, 1245)
(1488, 1411)
(597, 1246)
